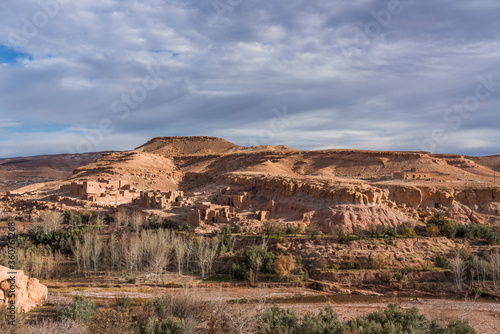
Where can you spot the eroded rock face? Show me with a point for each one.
(28, 291)
(351, 216)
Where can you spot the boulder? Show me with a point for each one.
(28, 291)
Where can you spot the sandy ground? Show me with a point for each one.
(484, 316)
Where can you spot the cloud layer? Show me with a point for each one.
(388, 75)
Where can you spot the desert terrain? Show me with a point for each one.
(203, 220)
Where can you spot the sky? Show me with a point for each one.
(96, 75)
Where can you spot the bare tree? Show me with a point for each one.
(137, 220)
(113, 252)
(480, 269)
(201, 255)
(495, 266)
(50, 220)
(131, 249)
(458, 267)
(206, 254)
(163, 250)
(77, 249)
(189, 251)
(121, 218)
(86, 252)
(96, 251)
(179, 252)
(213, 246)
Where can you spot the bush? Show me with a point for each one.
(391, 232)
(271, 227)
(325, 321)
(186, 227)
(70, 218)
(432, 230)
(155, 224)
(283, 265)
(391, 320)
(236, 228)
(158, 326)
(58, 239)
(293, 230)
(441, 221)
(109, 321)
(441, 261)
(81, 310)
(124, 304)
(279, 321)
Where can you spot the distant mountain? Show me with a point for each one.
(18, 172)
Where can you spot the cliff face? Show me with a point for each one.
(334, 193)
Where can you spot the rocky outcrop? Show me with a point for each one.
(415, 196)
(28, 291)
(348, 193)
(350, 217)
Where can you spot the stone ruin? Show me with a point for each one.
(228, 202)
(421, 174)
(206, 212)
(103, 190)
(234, 198)
(160, 200)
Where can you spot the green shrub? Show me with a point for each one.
(71, 218)
(391, 232)
(279, 321)
(441, 261)
(124, 304)
(442, 222)
(81, 309)
(236, 228)
(158, 326)
(325, 321)
(293, 230)
(58, 239)
(155, 224)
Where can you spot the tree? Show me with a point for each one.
(179, 252)
(206, 254)
(137, 220)
(161, 247)
(313, 230)
(50, 221)
(441, 221)
(495, 266)
(271, 227)
(258, 258)
(121, 218)
(283, 265)
(96, 250)
(458, 268)
(113, 252)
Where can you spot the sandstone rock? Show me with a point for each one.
(28, 291)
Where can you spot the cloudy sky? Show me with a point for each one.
(95, 75)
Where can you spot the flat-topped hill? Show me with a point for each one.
(196, 145)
